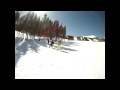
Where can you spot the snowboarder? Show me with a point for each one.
(59, 43)
(52, 42)
(48, 41)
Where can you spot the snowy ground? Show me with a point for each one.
(77, 60)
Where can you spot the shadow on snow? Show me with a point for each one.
(21, 50)
(33, 45)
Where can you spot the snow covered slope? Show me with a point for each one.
(77, 60)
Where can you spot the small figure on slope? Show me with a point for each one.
(48, 41)
(59, 43)
(51, 45)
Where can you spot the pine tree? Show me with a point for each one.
(17, 15)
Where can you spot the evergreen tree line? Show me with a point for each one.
(33, 25)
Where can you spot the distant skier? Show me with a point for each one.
(59, 43)
(52, 42)
(48, 41)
